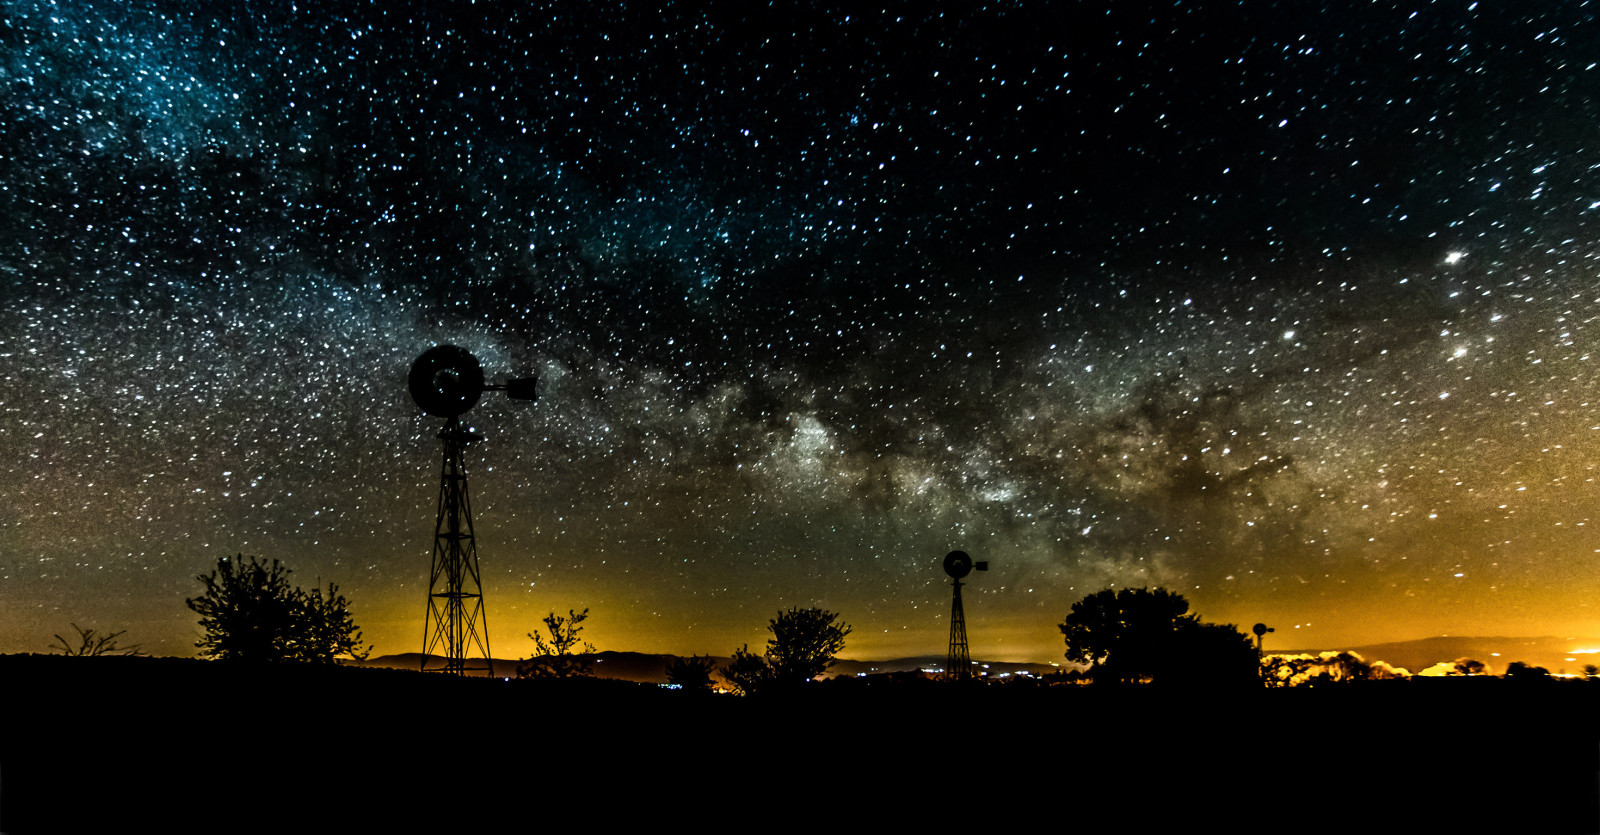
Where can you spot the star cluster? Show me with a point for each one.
(1285, 306)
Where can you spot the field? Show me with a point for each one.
(98, 744)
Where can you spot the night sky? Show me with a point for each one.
(1287, 306)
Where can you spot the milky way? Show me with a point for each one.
(1285, 306)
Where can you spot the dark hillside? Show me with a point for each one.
(186, 745)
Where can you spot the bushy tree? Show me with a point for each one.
(1211, 655)
(1330, 667)
(250, 612)
(747, 672)
(1148, 635)
(804, 643)
(1285, 670)
(1123, 634)
(693, 673)
(1520, 671)
(90, 642)
(1344, 666)
(330, 628)
(557, 659)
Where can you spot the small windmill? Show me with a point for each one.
(959, 663)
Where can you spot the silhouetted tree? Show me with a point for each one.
(1210, 655)
(1148, 635)
(747, 672)
(1468, 667)
(557, 658)
(693, 673)
(1124, 634)
(330, 628)
(250, 612)
(90, 642)
(1347, 666)
(804, 643)
(1591, 672)
(1284, 670)
(1519, 671)
(1326, 668)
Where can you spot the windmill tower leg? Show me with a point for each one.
(959, 663)
(455, 623)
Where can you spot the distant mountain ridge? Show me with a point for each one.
(1552, 653)
(652, 668)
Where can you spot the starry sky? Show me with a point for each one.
(1287, 306)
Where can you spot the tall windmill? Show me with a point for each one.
(959, 663)
(446, 381)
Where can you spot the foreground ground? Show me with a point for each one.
(184, 745)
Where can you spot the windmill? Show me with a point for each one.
(959, 663)
(1261, 631)
(446, 381)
